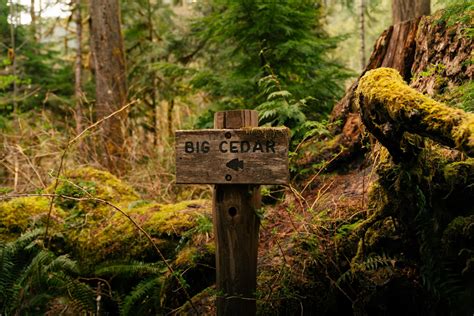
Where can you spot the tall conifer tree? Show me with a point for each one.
(249, 40)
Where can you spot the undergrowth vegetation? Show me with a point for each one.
(371, 233)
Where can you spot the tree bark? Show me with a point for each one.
(443, 53)
(78, 68)
(153, 79)
(33, 20)
(412, 47)
(362, 34)
(395, 48)
(404, 10)
(170, 117)
(110, 77)
(12, 55)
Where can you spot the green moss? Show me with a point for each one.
(204, 302)
(459, 234)
(346, 229)
(458, 248)
(96, 231)
(80, 190)
(187, 257)
(460, 173)
(416, 112)
(100, 184)
(460, 96)
(263, 131)
(174, 219)
(114, 236)
(376, 236)
(91, 183)
(20, 213)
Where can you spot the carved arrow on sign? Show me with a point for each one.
(235, 164)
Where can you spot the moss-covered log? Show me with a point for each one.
(94, 232)
(433, 56)
(390, 108)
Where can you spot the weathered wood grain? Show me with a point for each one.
(230, 156)
(237, 156)
(236, 227)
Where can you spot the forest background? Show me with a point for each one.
(181, 62)
(91, 93)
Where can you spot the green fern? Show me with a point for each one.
(147, 292)
(129, 269)
(32, 276)
(13, 256)
(82, 296)
(372, 263)
(280, 107)
(145, 297)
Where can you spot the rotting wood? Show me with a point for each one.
(443, 54)
(434, 58)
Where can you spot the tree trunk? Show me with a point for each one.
(170, 117)
(110, 77)
(78, 68)
(412, 47)
(404, 10)
(362, 34)
(33, 20)
(395, 48)
(443, 51)
(12, 55)
(153, 79)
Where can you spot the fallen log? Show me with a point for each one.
(390, 108)
(433, 57)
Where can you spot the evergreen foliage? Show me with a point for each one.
(157, 48)
(270, 55)
(249, 40)
(41, 75)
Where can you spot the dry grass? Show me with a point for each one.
(33, 144)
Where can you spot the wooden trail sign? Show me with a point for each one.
(237, 157)
(232, 156)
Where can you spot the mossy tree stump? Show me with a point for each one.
(390, 110)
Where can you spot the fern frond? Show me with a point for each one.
(63, 263)
(129, 269)
(141, 294)
(82, 296)
(33, 271)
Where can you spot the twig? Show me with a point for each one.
(100, 121)
(320, 170)
(28, 160)
(61, 163)
(321, 192)
(298, 196)
(99, 280)
(12, 170)
(56, 183)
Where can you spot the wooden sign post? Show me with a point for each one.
(237, 156)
